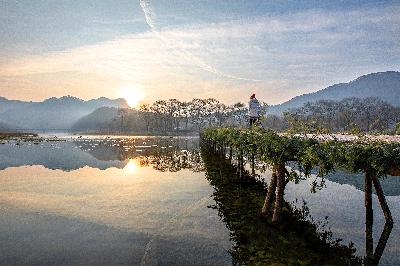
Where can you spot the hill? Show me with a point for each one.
(384, 85)
(108, 119)
(99, 119)
(54, 113)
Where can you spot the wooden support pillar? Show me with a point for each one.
(253, 164)
(280, 188)
(380, 247)
(240, 163)
(223, 150)
(270, 194)
(369, 217)
(382, 200)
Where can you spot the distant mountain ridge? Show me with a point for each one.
(53, 113)
(69, 112)
(384, 85)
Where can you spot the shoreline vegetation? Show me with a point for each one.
(11, 135)
(24, 137)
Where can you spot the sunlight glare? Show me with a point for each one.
(131, 166)
(132, 95)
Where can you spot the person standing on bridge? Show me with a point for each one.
(254, 110)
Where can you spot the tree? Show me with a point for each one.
(121, 114)
(186, 112)
(145, 110)
(159, 108)
(239, 113)
(366, 114)
(172, 112)
(198, 113)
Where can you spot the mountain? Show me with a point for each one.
(54, 113)
(384, 85)
(97, 120)
(106, 119)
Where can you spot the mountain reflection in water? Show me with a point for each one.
(164, 154)
(144, 200)
(128, 214)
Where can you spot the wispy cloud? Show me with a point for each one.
(303, 51)
(151, 20)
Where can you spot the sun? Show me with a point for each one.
(133, 96)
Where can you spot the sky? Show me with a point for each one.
(146, 50)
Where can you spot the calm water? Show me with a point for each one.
(102, 200)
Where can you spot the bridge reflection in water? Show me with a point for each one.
(301, 216)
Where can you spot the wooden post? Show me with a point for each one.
(369, 217)
(270, 194)
(380, 247)
(382, 200)
(253, 164)
(253, 159)
(238, 162)
(241, 166)
(280, 187)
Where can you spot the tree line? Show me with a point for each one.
(169, 116)
(173, 116)
(348, 115)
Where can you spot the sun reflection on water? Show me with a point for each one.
(132, 166)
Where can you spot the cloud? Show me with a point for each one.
(198, 61)
(303, 51)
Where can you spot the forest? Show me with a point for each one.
(348, 115)
(351, 115)
(167, 116)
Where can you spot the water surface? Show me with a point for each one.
(146, 200)
(136, 201)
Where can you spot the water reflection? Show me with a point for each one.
(148, 198)
(132, 166)
(127, 214)
(390, 184)
(337, 207)
(163, 154)
(373, 257)
(256, 241)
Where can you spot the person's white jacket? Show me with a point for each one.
(254, 108)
